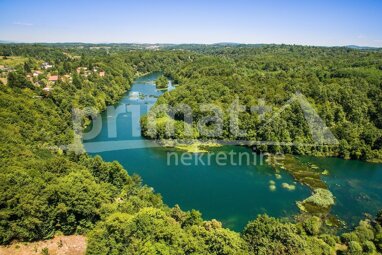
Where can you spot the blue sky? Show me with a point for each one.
(306, 22)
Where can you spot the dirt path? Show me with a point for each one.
(61, 245)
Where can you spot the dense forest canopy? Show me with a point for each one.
(341, 84)
(45, 190)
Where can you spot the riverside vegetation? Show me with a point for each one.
(46, 190)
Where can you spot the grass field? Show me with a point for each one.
(12, 61)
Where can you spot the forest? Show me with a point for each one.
(46, 190)
(343, 86)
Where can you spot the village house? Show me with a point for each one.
(102, 73)
(53, 78)
(46, 65)
(84, 71)
(36, 73)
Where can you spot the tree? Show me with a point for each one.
(267, 235)
(18, 80)
(27, 68)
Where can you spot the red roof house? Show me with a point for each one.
(53, 78)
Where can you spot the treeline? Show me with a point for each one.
(343, 85)
(45, 190)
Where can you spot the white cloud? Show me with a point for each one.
(23, 24)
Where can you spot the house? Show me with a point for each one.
(36, 73)
(53, 78)
(46, 65)
(102, 73)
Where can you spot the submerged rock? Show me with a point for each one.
(325, 172)
(272, 187)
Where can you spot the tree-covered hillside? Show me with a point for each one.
(344, 86)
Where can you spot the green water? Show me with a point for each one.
(356, 185)
(232, 194)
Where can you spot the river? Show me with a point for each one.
(232, 194)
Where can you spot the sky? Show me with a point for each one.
(305, 22)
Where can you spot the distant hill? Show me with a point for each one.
(3, 41)
(361, 47)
